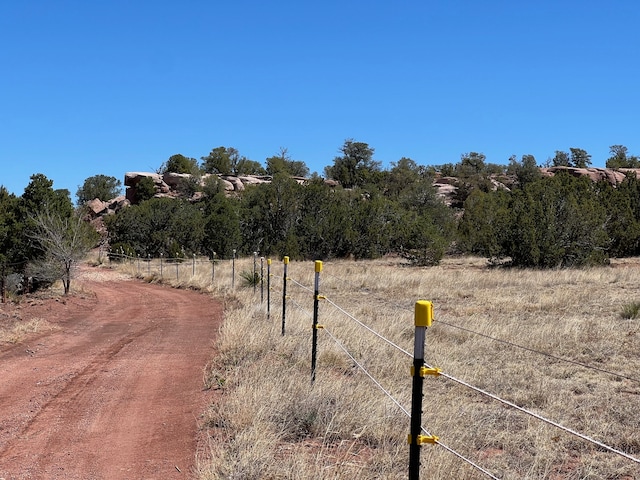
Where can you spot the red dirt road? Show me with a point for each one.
(115, 392)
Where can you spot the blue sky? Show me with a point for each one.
(97, 87)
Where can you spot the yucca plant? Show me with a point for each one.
(249, 278)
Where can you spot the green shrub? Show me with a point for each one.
(630, 310)
(249, 278)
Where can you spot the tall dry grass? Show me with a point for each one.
(271, 423)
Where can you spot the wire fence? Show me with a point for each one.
(336, 308)
(301, 296)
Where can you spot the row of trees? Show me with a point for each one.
(355, 164)
(536, 222)
(228, 161)
(286, 218)
(354, 167)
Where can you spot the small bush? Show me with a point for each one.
(630, 310)
(250, 278)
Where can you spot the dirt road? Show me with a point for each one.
(115, 391)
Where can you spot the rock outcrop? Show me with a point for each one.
(98, 208)
(168, 184)
(614, 177)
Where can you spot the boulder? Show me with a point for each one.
(228, 186)
(635, 171)
(131, 179)
(253, 180)
(118, 203)
(173, 180)
(197, 196)
(446, 192)
(611, 176)
(97, 207)
(238, 186)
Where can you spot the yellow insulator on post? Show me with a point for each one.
(423, 313)
(268, 261)
(318, 266)
(423, 439)
(286, 260)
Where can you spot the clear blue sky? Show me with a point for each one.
(106, 87)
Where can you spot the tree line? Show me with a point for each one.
(509, 214)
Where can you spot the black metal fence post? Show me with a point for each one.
(423, 319)
(233, 270)
(315, 327)
(255, 272)
(284, 292)
(261, 279)
(268, 288)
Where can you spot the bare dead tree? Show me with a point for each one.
(65, 241)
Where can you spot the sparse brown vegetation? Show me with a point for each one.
(270, 422)
(15, 330)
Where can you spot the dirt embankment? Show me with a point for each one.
(114, 390)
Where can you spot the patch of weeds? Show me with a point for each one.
(630, 310)
(213, 377)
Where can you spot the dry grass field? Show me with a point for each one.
(562, 344)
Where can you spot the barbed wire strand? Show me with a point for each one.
(397, 403)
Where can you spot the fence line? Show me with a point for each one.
(447, 376)
(399, 405)
(374, 380)
(495, 339)
(476, 389)
(541, 418)
(504, 402)
(363, 325)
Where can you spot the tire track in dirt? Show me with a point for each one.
(115, 393)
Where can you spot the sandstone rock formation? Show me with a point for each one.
(614, 177)
(168, 184)
(97, 207)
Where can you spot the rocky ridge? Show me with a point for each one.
(167, 185)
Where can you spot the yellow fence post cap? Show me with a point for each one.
(268, 261)
(318, 266)
(423, 313)
(285, 260)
